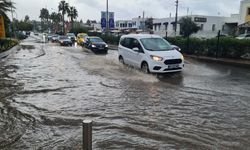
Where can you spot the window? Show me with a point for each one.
(131, 43)
(248, 11)
(135, 44)
(223, 27)
(213, 27)
(202, 26)
(125, 42)
(166, 27)
(156, 44)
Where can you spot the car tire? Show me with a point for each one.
(145, 68)
(121, 60)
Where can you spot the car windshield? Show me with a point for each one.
(63, 37)
(95, 40)
(70, 34)
(156, 44)
(82, 36)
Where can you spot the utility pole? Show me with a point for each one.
(176, 17)
(107, 18)
(143, 20)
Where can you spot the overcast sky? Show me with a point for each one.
(127, 9)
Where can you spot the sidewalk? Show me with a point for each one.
(227, 61)
(113, 47)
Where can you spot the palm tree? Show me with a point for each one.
(64, 8)
(73, 14)
(44, 15)
(56, 18)
(5, 6)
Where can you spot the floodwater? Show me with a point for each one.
(46, 91)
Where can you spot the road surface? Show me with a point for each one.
(47, 90)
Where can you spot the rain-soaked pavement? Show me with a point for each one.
(46, 91)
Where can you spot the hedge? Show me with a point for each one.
(6, 44)
(228, 47)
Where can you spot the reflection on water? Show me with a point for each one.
(45, 92)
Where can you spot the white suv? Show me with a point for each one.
(149, 52)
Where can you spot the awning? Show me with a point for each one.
(165, 23)
(155, 24)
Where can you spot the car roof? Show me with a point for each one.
(140, 36)
(94, 37)
(82, 34)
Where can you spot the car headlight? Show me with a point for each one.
(106, 45)
(182, 57)
(93, 46)
(156, 58)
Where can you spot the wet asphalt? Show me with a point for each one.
(47, 90)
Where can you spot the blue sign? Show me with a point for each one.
(103, 22)
(111, 23)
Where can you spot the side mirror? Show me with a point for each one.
(136, 49)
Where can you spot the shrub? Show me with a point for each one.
(6, 44)
(228, 47)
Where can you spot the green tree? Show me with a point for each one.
(56, 19)
(149, 24)
(188, 26)
(44, 15)
(64, 9)
(73, 14)
(24, 26)
(6, 6)
(27, 18)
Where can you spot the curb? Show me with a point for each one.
(232, 62)
(8, 52)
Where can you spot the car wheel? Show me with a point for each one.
(121, 60)
(144, 68)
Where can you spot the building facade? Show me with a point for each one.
(134, 24)
(209, 25)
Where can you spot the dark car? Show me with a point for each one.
(71, 36)
(97, 45)
(65, 41)
(55, 38)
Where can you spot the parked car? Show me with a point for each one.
(55, 38)
(151, 53)
(82, 38)
(71, 36)
(97, 45)
(50, 36)
(243, 36)
(65, 41)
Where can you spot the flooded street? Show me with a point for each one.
(46, 91)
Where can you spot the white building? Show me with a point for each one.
(134, 24)
(210, 25)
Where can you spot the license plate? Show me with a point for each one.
(173, 66)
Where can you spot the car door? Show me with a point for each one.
(125, 50)
(136, 56)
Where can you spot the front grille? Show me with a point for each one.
(172, 69)
(101, 46)
(173, 61)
